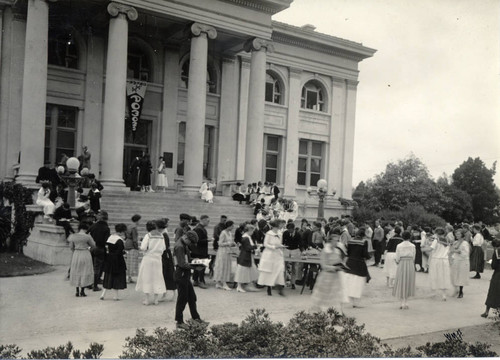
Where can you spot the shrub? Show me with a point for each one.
(456, 348)
(10, 351)
(60, 352)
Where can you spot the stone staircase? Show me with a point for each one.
(121, 206)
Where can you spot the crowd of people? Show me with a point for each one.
(335, 252)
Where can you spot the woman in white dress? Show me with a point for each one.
(161, 178)
(203, 190)
(404, 285)
(439, 264)
(150, 279)
(44, 200)
(224, 258)
(460, 263)
(272, 261)
(206, 192)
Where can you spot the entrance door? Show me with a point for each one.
(135, 144)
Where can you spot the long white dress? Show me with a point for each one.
(161, 178)
(272, 261)
(203, 191)
(43, 200)
(150, 279)
(439, 267)
(460, 264)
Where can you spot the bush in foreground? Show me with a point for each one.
(60, 352)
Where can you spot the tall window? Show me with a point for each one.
(60, 133)
(211, 78)
(273, 89)
(62, 49)
(272, 144)
(313, 97)
(310, 162)
(207, 150)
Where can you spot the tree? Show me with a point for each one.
(473, 177)
(404, 183)
(456, 203)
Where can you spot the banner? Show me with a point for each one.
(136, 90)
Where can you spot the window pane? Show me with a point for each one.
(48, 115)
(272, 143)
(303, 147)
(316, 165)
(59, 152)
(269, 91)
(66, 117)
(46, 155)
(182, 132)
(271, 175)
(271, 161)
(301, 178)
(65, 139)
(180, 159)
(47, 137)
(312, 99)
(314, 179)
(316, 149)
(302, 164)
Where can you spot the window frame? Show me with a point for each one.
(277, 89)
(54, 132)
(277, 153)
(309, 157)
(320, 104)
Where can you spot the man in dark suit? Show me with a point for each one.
(276, 191)
(100, 233)
(199, 250)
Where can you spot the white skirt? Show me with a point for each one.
(439, 273)
(150, 279)
(161, 180)
(353, 286)
(390, 266)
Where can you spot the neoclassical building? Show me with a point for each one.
(231, 95)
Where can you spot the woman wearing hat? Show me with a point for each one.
(493, 298)
(357, 273)
(115, 269)
(328, 290)
(223, 261)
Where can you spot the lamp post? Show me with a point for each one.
(322, 193)
(73, 179)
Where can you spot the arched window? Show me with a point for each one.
(273, 89)
(211, 77)
(138, 64)
(63, 50)
(313, 97)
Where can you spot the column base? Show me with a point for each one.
(114, 185)
(28, 180)
(190, 189)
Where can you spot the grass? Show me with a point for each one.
(14, 264)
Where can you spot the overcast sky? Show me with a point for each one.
(432, 87)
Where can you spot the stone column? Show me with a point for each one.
(197, 103)
(34, 94)
(292, 133)
(228, 127)
(350, 116)
(256, 102)
(337, 130)
(113, 133)
(242, 117)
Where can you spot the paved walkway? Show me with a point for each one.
(40, 311)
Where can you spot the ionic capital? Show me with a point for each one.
(115, 9)
(196, 29)
(257, 44)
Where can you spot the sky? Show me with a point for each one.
(431, 89)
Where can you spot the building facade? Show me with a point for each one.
(231, 94)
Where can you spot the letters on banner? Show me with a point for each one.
(136, 90)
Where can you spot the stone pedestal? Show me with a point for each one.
(47, 243)
(113, 133)
(197, 100)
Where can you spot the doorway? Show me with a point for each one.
(135, 144)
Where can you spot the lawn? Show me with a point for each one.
(13, 264)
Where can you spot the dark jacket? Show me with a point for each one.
(200, 249)
(246, 250)
(292, 240)
(100, 233)
(217, 230)
(182, 260)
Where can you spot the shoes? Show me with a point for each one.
(225, 287)
(460, 296)
(269, 292)
(77, 294)
(182, 326)
(376, 264)
(280, 292)
(260, 286)
(202, 322)
(293, 287)
(485, 315)
(82, 294)
(202, 285)
(96, 288)
(477, 276)
(241, 290)
(101, 297)
(196, 283)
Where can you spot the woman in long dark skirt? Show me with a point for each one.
(115, 269)
(493, 298)
(477, 253)
(167, 260)
(416, 239)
